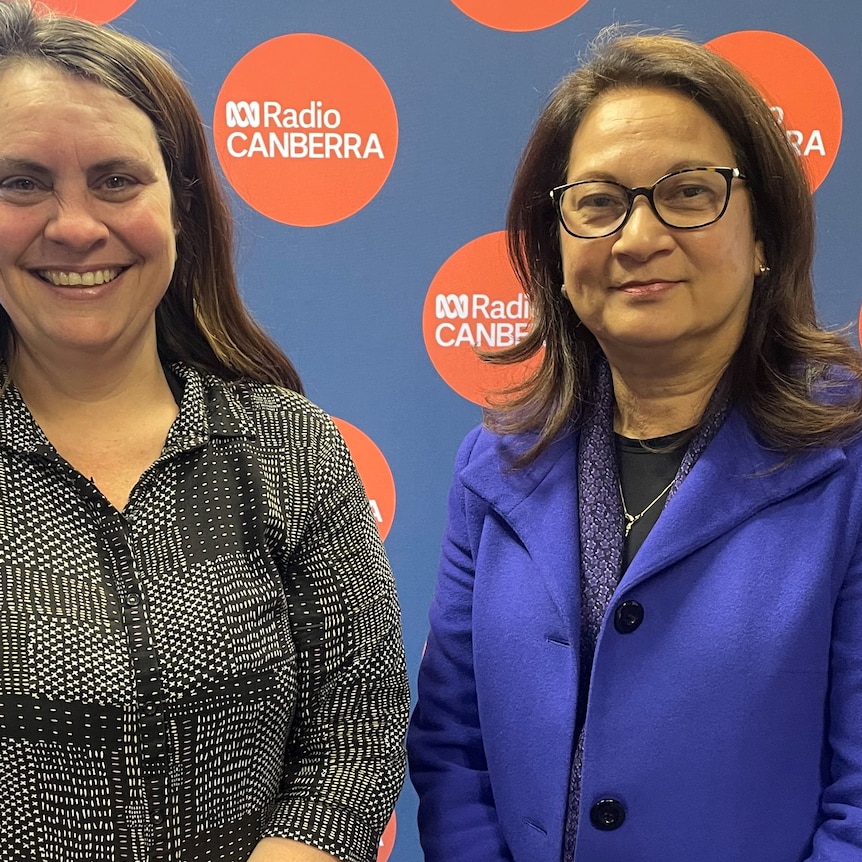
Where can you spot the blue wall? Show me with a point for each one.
(345, 300)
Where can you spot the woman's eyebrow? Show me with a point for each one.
(122, 165)
(11, 164)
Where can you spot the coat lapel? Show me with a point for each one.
(539, 503)
(733, 479)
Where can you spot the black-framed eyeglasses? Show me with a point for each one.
(686, 199)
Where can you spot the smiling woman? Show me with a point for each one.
(87, 237)
(630, 620)
(218, 671)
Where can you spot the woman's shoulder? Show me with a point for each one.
(272, 413)
(834, 385)
(481, 442)
(274, 399)
(486, 445)
(278, 412)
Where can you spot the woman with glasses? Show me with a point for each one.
(646, 641)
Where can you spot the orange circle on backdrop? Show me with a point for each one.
(374, 471)
(799, 89)
(305, 129)
(476, 301)
(518, 15)
(97, 11)
(387, 842)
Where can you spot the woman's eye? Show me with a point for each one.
(117, 187)
(600, 201)
(688, 191)
(117, 183)
(23, 190)
(19, 184)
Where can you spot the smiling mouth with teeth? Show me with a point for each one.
(78, 279)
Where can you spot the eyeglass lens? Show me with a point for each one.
(684, 200)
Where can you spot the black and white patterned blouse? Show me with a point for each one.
(221, 661)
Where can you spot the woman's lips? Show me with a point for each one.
(650, 288)
(88, 278)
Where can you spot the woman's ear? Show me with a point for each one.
(760, 265)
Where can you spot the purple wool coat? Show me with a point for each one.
(725, 726)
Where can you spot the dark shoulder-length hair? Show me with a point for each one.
(785, 361)
(201, 320)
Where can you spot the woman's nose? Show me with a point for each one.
(644, 233)
(76, 223)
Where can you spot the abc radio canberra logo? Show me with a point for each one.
(97, 11)
(799, 89)
(518, 15)
(475, 302)
(374, 472)
(305, 129)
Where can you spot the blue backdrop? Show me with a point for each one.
(345, 300)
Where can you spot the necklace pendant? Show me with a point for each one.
(630, 519)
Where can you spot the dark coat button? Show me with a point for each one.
(607, 814)
(628, 616)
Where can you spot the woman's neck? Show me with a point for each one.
(652, 405)
(63, 389)
(108, 420)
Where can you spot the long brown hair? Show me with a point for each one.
(785, 360)
(201, 320)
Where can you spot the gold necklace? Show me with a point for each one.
(631, 520)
